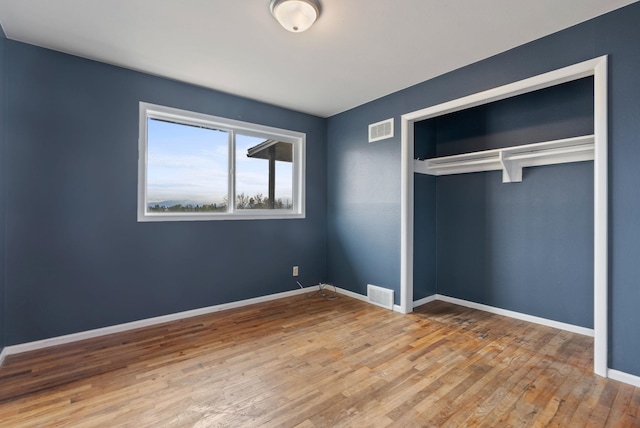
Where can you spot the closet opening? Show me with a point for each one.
(504, 201)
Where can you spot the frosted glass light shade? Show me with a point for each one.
(295, 15)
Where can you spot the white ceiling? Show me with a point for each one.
(357, 51)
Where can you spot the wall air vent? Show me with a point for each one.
(381, 130)
(380, 296)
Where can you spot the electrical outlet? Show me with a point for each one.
(295, 271)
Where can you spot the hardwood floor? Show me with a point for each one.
(309, 362)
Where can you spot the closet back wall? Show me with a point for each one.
(526, 247)
(3, 42)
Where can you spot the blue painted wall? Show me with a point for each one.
(2, 187)
(561, 111)
(425, 216)
(363, 204)
(365, 237)
(77, 259)
(526, 247)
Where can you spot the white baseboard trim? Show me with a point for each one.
(611, 373)
(3, 355)
(424, 300)
(69, 338)
(352, 294)
(89, 334)
(517, 315)
(491, 309)
(358, 296)
(624, 377)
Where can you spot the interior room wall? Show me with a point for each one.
(2, 187)
(360, 252)
(362, 208)
(77, 259)
(425, 216)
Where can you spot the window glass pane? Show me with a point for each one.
(264, 174)
(284, 184)
(187, 168)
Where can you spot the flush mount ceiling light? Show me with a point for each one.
(295, 15)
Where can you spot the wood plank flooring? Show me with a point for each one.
(310, 362)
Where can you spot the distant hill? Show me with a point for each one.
(171, 203)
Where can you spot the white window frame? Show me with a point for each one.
(297, 139)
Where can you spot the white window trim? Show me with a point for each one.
(297, 139)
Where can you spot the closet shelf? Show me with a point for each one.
(511, 160)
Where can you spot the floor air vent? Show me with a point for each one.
(380, 296)
(381, 130)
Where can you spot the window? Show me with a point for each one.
(198, 167)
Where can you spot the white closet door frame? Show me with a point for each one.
(597, 68)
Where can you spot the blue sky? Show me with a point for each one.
(186, 163)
